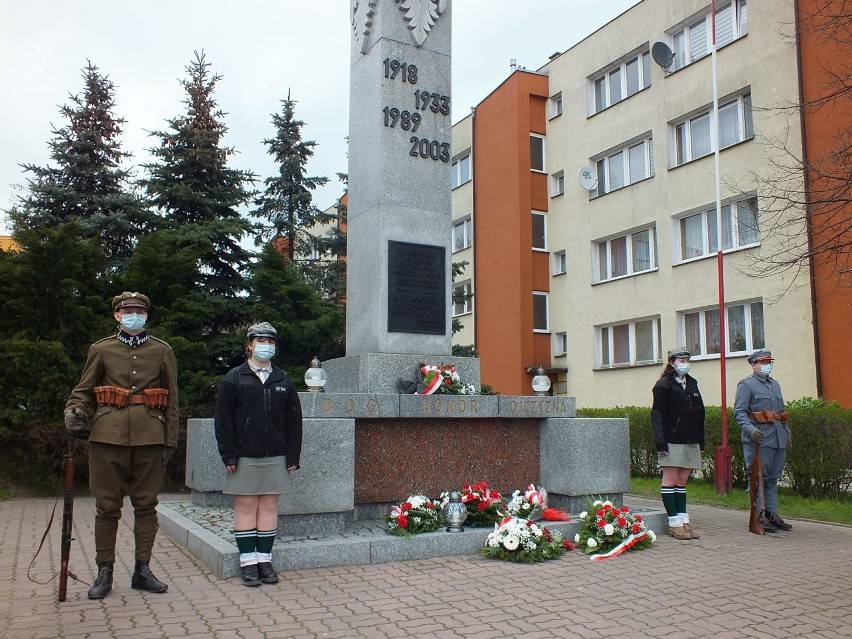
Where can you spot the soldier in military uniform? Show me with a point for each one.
(759, 410)
(127, 404)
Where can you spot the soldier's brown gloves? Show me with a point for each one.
(76, 423)
(168, 452)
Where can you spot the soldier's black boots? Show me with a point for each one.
(144, 579)
(103, 582)
(764, 522)
(775, 520)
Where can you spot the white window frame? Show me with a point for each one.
(467, 305)
(681, 130)
(543, 216)
(701, 347)
(602, 254)
(466, 229)
(546, 297)
(557, 184)
(560, 344)
(619, 159)
(602, 84)
(730, 26)
(732, 233)
(555, 106)
(604, 343)
(457, 170)
(559, 263)
(533, 161)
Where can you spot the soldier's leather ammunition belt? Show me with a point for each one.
(123, 397)
(768, 416)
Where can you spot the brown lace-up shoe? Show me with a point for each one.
(679, 532)
(692, 534)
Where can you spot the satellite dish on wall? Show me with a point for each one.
(662, 54)
(587, 178)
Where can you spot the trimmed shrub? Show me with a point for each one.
(819, 461)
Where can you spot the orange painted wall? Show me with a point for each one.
(833, 293)
(505, 191)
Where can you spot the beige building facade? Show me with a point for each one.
(629, 225)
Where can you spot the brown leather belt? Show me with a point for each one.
(768, 416)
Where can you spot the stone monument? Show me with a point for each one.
(365, 445)
(399, 221)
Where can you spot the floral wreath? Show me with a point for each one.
(608, 531)
(417, 514)
(521, 540)
(442, 379)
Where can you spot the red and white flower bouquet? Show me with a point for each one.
(522, 540)
(417, 514)
(608, 531)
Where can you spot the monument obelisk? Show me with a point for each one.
(399, 216)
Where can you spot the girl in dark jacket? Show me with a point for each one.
(678, 420)
(259, 432)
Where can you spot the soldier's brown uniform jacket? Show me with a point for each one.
(112, 362)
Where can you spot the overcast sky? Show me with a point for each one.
(261, 48)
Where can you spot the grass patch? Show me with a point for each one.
(836, 511)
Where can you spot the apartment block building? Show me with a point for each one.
(585, 201)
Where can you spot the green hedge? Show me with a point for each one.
(819, 462)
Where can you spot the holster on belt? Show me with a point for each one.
(768, 416)
(122, 397)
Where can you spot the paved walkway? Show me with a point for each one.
(728, 584)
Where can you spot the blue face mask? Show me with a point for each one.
(133, 321)
(264, 352)
(765, 369)
(682, 369)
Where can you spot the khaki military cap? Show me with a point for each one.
(128, 299)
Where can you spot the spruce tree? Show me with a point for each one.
(87, 183)
(286, 205)
(197, 192)
(307, 325)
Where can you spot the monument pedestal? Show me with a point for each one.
(362, 452)
(380, 372)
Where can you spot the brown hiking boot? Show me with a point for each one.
(679, 532)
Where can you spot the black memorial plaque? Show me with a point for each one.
(417, 289)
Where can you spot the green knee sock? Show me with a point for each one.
(246, 540)
(265, 539)
(680, 498)
(668, 495)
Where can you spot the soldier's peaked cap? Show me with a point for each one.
(128, 299)
(760, 355)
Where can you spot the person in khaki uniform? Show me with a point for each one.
(127, 404)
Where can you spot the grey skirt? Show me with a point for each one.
(258, 476)
(681, 456)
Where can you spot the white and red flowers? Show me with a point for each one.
(417, 514)
(443, 379)
(528, 504)
(609, 531)
(522, 540)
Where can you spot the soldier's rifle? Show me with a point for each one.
(754, 485)
(67, 516)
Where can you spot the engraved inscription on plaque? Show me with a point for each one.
(417, 301)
